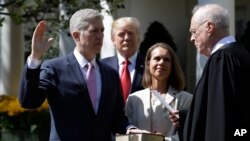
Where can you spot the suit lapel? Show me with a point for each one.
(115, 64)
(171, 95)
(75, 69)
(139, 68)
(104, 80)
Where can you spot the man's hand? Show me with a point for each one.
(136, 131)
(174, 118)
(39, 43)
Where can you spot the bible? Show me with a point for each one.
(140, 137)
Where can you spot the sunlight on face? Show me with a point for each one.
(91, 39)
(160, 63)
(126, 39)
(199, 35)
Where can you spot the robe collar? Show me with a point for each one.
(222, 42)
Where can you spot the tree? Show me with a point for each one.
(49, 10)
(55, 12)
(156, 32)
(245, 39)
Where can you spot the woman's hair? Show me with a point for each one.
(176, 78)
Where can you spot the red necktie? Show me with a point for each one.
(125, 80)
(91, 84)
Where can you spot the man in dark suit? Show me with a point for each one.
(78, 112)
(220, 104)
(125, 34)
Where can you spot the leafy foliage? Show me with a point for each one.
(156, 32)
(55, 12)
(49, 10)
(245, 38)
(14, 117)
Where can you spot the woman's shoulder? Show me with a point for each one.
(185, 94)
(137, 96)
(176, 91)
(140, 92)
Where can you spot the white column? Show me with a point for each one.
(12, 55)
(108, 48)
(66, 43)
(229, 5)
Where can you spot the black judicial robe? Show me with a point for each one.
(220, 105)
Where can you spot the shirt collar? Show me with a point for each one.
(223, 41)
(82, 60)
(132, 59)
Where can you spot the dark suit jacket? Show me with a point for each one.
(139, 68)
(72, 116)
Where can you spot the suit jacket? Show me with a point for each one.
(139, 69)
(139, 110)
(60, 80)
(221, 102)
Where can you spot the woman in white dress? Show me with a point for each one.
(162, 73)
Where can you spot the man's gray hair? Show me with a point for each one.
(213, 12)
(80, 19)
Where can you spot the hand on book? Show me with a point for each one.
(137, 131)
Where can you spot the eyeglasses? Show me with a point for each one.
(194, 31)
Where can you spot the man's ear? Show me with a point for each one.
(75, 35)
(210, 27)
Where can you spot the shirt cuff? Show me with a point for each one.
(33, 63)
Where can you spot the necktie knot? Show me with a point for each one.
(90, 70)
(126, 62)
(90, 65)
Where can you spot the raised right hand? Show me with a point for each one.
(39, 44)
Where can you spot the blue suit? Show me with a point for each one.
(60, 80)
(139, 69)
